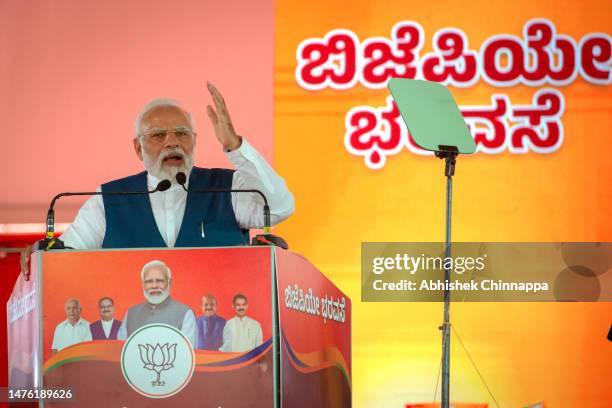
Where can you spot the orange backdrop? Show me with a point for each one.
(76, 73)
(555, 353)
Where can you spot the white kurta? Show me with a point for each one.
(252, 172)
(241, 334)
(66, 334)
(107, 326)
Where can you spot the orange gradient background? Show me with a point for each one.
(555, 353)
(73, 75)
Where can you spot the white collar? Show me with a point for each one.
(79, 322)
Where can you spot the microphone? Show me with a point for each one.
(50, 242)
(267, 238)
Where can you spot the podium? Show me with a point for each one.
(301, 355)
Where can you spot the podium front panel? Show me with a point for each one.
(155, 365)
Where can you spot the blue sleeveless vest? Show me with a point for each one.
(130, 222)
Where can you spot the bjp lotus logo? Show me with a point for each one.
(158, 359)
(161, 349)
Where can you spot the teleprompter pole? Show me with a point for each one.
(449, 154)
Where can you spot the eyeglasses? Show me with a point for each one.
(157, 136)
(158, 281)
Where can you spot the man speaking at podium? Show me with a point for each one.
(165, 141)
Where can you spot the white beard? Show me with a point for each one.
(157, 169)
(157, 299)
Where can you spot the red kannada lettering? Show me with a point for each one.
(328, 62)
(541, 56)
(544, 57)
(538, 127)
(596, 58)
(487, 124)
(451, 63)
(384, 59)
(374, 133)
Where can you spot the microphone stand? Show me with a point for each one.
(51, 242)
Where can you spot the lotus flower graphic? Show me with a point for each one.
(158, 358)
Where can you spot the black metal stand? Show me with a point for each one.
(50, 242)
(449, 154)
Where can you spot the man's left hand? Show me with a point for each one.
(220, 118)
